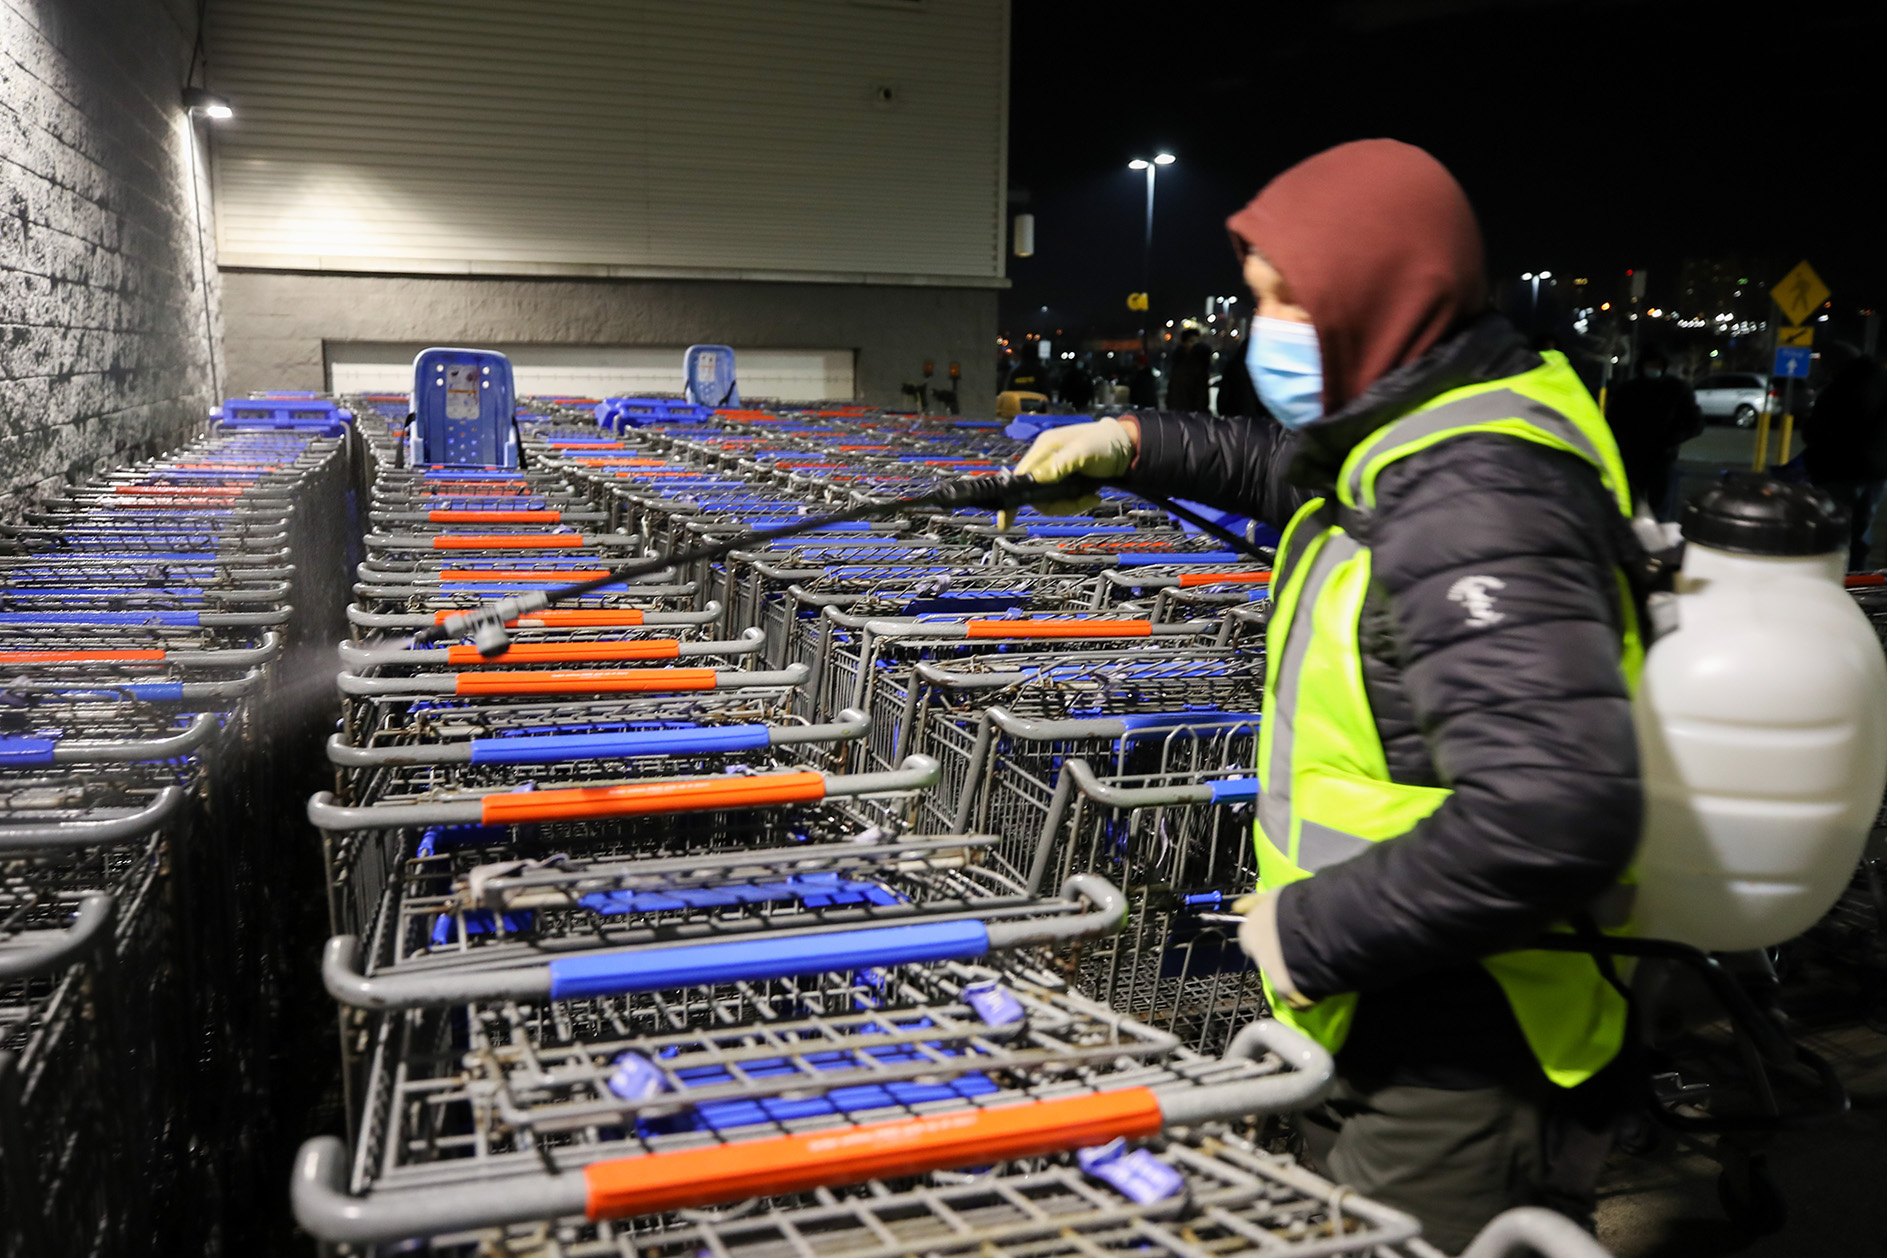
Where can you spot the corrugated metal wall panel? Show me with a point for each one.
(591, 136)
(783, 375)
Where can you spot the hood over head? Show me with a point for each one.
(1379, 244)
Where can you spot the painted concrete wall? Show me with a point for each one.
(278, 321)
(107, 342)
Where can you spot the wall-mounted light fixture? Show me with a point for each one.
(201, 100)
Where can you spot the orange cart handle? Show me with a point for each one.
(1058, 629)
(1856, 580)
(77, 657)
(641, 799)
(1225, 578)
(508, 541)
(569, 652)
(852, 1155)
(578, 681)
(493, 517)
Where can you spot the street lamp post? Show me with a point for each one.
(1151, 166)
(1533, 310)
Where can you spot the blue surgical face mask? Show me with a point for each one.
(1286, 363)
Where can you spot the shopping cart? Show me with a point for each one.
(844, 1139)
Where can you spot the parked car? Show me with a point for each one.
(1737, 397)
(1733, 397)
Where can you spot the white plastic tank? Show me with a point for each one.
(1762, 725)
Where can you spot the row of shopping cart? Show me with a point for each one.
(863, 892)
(148, 626)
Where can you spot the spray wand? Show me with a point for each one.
(489, 626)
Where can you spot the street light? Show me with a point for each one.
(1533, 311)
(1151, 166)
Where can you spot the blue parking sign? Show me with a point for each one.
(1791, 361)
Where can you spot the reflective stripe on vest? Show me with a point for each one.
(1318, 845)
(1401, 437)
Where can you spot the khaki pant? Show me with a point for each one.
(1455, 1159)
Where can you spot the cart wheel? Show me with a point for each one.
(1751, 1200)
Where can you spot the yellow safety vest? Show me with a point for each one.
(1325, 778)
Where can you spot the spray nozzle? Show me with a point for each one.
(487, 626)
(1005, 490)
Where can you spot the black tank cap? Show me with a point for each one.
(1759, 515)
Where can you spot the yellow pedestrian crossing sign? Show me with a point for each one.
(1800, 293)
(1136, 301)
(1801, 337)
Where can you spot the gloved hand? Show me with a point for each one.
(1103, 449)
(1258, 936)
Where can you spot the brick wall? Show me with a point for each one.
(106, 346)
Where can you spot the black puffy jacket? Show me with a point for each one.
(1529, 722)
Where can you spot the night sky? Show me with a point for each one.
(1591, 135)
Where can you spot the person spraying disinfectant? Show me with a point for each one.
(1449, 760)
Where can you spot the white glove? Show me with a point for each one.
(1258, 936)
(1102, 450)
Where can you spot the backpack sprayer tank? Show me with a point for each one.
(1762, 725)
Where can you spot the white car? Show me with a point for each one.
(1733, 396)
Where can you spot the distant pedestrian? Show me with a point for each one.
(1189, 373)
(1027, 377)
(1076, 387)
(1846, 436)
(1143, 387)
(1652, 415)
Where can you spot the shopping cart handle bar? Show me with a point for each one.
(1164, 724)
(851, 723)
(717, 1173)
(558, 748)
(1527, 1230)
(451, 516)
(589, 681)
(551, 653)
(914, 773)
(760, 960)
(92, 831)
(575, 681)
(171, 619)
(1311, 1071)
(40, 952)
(1106, 915)
(1057, 628)
(1188, 579)
(134, 750)
(81, 657)
(506, 541)
(642, 799)
(341, 975)
(574, 618)
(1234, 790)
(1090, 785)
(850, 1155)
(552, 618)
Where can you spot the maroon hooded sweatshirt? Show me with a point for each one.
(1377, 241)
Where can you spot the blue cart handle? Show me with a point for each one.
(754, 958)
(617, 745)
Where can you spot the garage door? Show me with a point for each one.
(785, 375)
